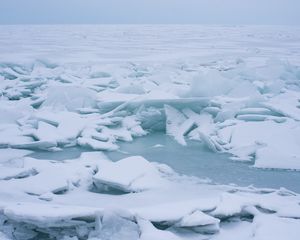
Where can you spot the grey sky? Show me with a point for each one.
(150, 11)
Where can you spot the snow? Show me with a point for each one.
(199, 208)
(7, 154)
(69, 98)
(131, 174)
(275, 228)
(148, 232)
(262, 140)
(198, 218)
(95, 88)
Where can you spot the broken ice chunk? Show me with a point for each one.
(149, 232)
(69, 98)
(7, 154)
(96, 144)
(174, 120)
(273, 227)
(286, 104)
(200, 222)
(132, 174)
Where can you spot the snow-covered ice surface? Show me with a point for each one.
(79, 103)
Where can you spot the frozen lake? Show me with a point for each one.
(193, 160)
(188, 96)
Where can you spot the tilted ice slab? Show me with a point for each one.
(132, 174)
(271, 227)
(69, 98)
(287, 104)
(149, 232)
(187, 122)
(7, 154)
(48, 215)
(275, 145)
(44, 177)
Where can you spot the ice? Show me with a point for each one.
(256, 111)
(241, 230)
(200, 222)
(246, 91)
(176, 120)
(272, 227)
(55, 176)
(132, 174)
(96, 144)
(46, 132)
(286, 104)
(199, 207)
(187, 122)
(212, 83)
(114, 227)
(217, 91)
(9, 114)
(197, 218)
(69, 98)
(265, 136)
(9, 173)
(148, 232)
(7, 154)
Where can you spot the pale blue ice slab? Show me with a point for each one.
(196, 160)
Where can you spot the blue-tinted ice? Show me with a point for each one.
(196, 160)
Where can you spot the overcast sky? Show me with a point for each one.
(150, 11)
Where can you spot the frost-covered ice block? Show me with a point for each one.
(35, 145)
(48, 215)
(149, 232)
(287, 104)
(256, 117)
(277, 158)
(11, 113)
(115, 227)
(46, 132)
(231, 205)
(97, 144)
(164, 213)
(7, 154)
(194, 103)
(11, 135)
(69, 98)
(7, 173)
(66, 125)
(209, 84)
(276, 145)
(132, 174)
(50, 176)
(196, 126)
(175, 124)
(273, 227)
(133, 125)
(200, 222)
(256, 111)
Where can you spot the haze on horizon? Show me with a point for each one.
(285, 12)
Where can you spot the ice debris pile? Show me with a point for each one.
(94, 198)
(243, 110)
(91, 87)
